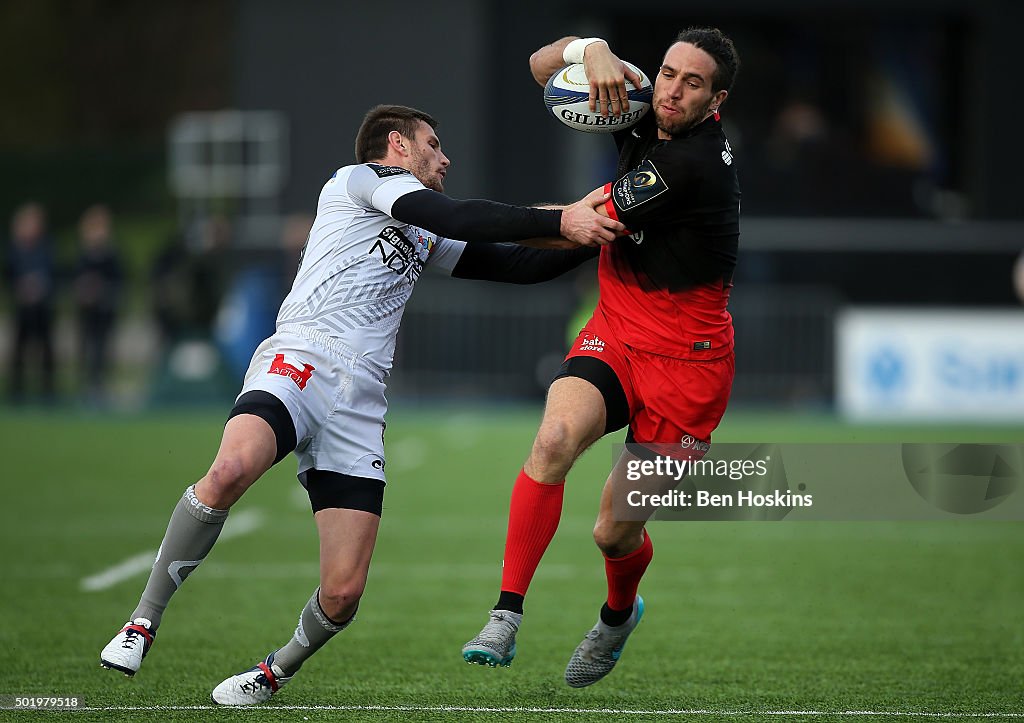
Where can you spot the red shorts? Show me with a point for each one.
(672, 401)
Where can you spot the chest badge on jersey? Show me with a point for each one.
(425, 241)
(283, 368)
(638, 187)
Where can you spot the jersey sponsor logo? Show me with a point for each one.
(638, 187)
(398, 253)
(727, 154)
(299, 376)
(591, 343)
(387, 171)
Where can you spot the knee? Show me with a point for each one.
(227, 479)
(554, 448)
(615, 540)
(339, 597)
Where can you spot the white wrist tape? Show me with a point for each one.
(573, 52)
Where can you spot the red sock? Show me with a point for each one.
(532, 521)
(624, 574)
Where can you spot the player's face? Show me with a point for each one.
(429, 164)
(682, 90)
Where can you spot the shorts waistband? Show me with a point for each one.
(328, 343)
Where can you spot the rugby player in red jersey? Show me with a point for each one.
(657, 355)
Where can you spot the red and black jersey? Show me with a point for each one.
(665, 287)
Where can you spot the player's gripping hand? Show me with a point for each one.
(583, 224)
(607, 75)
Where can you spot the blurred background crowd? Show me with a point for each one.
(162, 164)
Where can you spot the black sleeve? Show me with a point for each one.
(475, 220)
(518, 264)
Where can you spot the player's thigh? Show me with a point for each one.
(574, 412)
(247, 450)
(248, 442)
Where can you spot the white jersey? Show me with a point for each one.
(360, 265)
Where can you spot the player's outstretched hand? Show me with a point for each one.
(583, 224)
(608, 75)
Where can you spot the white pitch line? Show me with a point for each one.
(121, 571)
(241, 523)
(582, 711)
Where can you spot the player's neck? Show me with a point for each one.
(393, 159)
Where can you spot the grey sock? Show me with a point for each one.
(312, 633)
(193, 529)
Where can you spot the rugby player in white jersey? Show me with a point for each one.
(316, 387)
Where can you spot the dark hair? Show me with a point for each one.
(719, 47)
(372, 138)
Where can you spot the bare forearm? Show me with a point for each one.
(546, 61)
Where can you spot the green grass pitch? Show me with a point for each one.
(746, 621)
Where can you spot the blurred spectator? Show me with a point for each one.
(99, 278)
(210, 273)
(188, 280)
(29, 270)
(169, 289)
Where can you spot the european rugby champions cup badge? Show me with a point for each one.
(637, 188)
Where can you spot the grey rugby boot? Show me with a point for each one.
(496, 643)
(595, 657)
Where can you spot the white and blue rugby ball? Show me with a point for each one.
(567, 96)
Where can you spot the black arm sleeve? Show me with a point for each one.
(475, 220)
(518, 264)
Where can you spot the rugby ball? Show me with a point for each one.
(567, 96)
